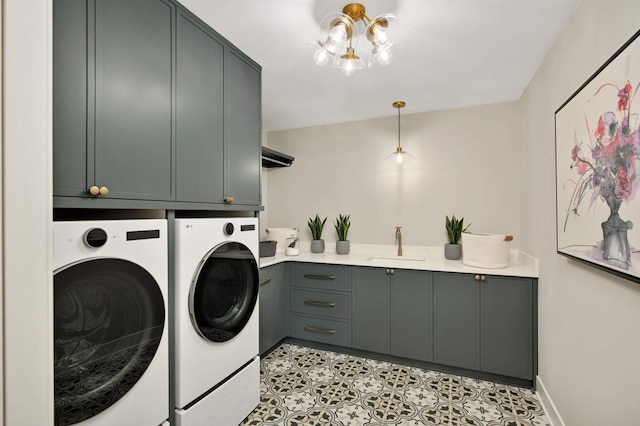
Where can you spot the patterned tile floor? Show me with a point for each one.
(310, 387)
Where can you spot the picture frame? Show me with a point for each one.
(597, 143)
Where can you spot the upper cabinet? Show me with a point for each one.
(152, 108)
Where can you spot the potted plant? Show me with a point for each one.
(316, 225)
(342, 224)
(455, 228)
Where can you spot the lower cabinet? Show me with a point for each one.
(485, 323)
(392, 312)
(372, 309)
(273, 306)
(481, 323)
(412, 314)
(321, 303)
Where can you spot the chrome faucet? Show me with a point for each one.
(399, 238)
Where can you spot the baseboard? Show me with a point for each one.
(547, 404)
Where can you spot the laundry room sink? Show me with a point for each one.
(397, 258)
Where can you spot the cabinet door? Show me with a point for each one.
(507, 326)
(70, 113)
(457, 320)
(243, 129)
(133, 98)
(371, 310)
(273, 306)
(412, 315)
(199, 112)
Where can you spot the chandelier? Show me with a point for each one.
(339, 37)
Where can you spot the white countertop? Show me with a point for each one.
(520, 263)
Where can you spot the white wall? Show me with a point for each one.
(467, 162)
(26, 204)
(589, 337)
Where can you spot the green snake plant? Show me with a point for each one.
(455, 228)
(342, 224)
(316, 225)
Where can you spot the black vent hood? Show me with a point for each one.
(272, 158)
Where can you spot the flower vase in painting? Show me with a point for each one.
(605, 166)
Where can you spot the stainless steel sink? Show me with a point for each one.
(402, 258)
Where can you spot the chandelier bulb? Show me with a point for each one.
(321, 57)
(338, 33)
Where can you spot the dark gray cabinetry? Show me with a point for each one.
(507, 326)
(321, 303)
(199, 112)
(393, 312)
(412, 315)
(152, 109)
(243, 127)
(485, 323)
(372, 309)
(113, 98)
(274, 308)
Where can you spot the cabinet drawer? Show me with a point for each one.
(328, 304)
(321, 276)
(331, 331)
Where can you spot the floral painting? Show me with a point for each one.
(598, 167)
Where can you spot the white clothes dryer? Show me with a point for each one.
(111, 358)
(216, 368)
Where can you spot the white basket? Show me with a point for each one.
(280, 235)
(485, 250)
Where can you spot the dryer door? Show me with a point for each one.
(224, 293)
(108, 321)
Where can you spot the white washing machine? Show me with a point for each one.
(111, 360)
(216, 368)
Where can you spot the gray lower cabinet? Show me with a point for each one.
(412, 314)
(112, 98)
(372, 309)
(485, 323)
(321, 303)
(273, 307)
(392, 312)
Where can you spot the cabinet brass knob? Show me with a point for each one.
(477, 277)
(483, 278)
(229, 199)
(390, 271)
(104, 190)
(94, 190)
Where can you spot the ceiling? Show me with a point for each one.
(447, 54)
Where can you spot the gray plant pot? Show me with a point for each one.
(317, 246)
(342, 247)
(452, 251)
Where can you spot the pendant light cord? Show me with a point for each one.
(399, 127)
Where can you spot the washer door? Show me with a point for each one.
(224, 292)
(108, 321)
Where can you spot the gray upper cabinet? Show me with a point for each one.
(243, 123)
(412, 315)
(152, 107)
(199, 112)
(113, 98)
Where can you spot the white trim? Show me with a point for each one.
(547, 404)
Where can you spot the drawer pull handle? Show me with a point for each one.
(318, 303)
(320, 330)
(265, 281)
(320, 277)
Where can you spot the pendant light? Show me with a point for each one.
(400, 155)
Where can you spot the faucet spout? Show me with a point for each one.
(399, 238)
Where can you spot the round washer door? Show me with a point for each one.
(224, 292)
(108, 322)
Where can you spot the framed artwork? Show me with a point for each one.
(598, 167)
